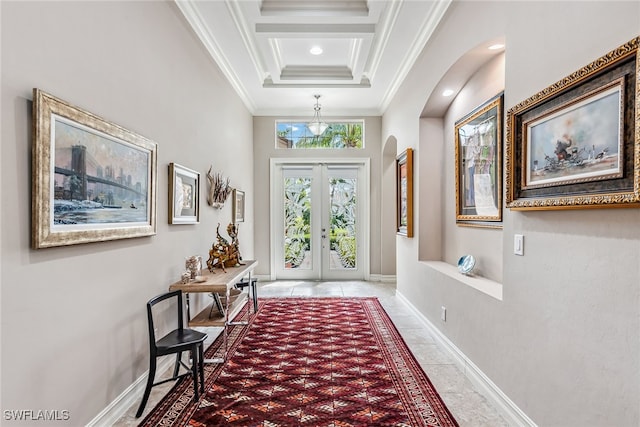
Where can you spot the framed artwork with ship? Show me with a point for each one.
(576, 144)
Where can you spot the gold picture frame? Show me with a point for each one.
(576, 144)
(404, 193)
(184, 195)
(478, 151)
(93, 180)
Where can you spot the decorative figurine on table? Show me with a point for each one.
(222, 253)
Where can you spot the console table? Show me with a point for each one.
(217, 313)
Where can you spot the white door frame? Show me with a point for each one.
(363, 205)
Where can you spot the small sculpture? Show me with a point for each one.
(219, 189)
(222, 253)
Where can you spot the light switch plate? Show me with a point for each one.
(518, 244)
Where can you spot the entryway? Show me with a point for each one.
(320, 219)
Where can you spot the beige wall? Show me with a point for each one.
(264, 150)
(73, 318)
(564, 343)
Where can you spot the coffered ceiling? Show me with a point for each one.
(264, 48)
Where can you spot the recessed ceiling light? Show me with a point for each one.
(447, 92)
(316, 50)
(496, 46)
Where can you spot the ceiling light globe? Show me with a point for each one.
(316, 50)
(317, 128)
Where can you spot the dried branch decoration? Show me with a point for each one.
(219, 189)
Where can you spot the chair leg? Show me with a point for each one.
(201, 365)
(194, 370)
(254, 290)
(147, 390)
(176, 368)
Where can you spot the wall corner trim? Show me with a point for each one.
(505, 406)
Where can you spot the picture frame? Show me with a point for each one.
(238, 206)
(478, 160)
(184, 195)
(404, 193)
(93, 180)
(576, 144)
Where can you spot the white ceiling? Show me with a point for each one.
(262, 47)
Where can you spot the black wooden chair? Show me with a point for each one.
(175, 342)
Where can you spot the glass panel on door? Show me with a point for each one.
(297, 223)
(342, 223)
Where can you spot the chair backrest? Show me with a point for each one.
(155, 300)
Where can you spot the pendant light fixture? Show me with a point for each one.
(317, 126)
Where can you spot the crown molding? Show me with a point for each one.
(324, 72)
(313, 8)
(193, 17)
(283, 30)
(428, 27)
(247, 37)
(385, 24)
(364, 83)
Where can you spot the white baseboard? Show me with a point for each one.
(507, 408)
(384, 278)
(132, 395)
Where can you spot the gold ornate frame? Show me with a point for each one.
(52, 118)
(184, 195)
(614, 190)
(404, 193)
(478, 151)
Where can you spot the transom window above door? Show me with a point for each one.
(339, 135)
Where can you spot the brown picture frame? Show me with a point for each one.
(587, 167)
(404, 193)
(93, 180)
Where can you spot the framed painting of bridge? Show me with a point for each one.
(184, 195)
(576, 144)
(93, 180)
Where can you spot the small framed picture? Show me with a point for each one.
(238, 206)
(184, 195)
(404, 193)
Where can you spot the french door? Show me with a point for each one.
(320, 220)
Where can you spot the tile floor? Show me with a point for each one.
(469, 407)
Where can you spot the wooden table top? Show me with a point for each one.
(218, 281)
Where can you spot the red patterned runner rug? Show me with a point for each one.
(310, 362)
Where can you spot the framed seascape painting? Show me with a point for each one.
(184, 195)
(238, 206)
(478, 151)
(576, 144)
(404, 193)
(92, 180)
